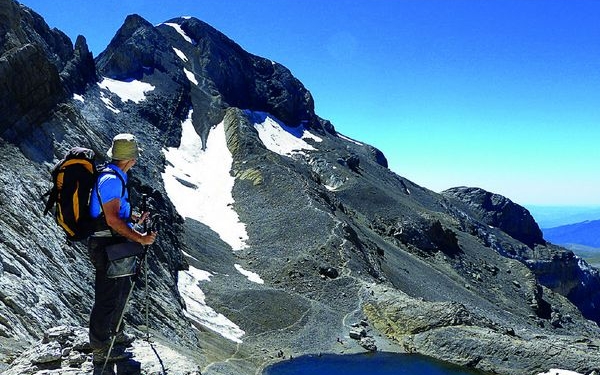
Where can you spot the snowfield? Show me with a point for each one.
(280, 138)
(180, 54)
(133, 90)
(199, 184)
(190, 76)
(254, 277)
(198, 311)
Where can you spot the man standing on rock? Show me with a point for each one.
(110, 198)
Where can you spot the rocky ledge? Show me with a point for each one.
(450, 332)
(65, 350)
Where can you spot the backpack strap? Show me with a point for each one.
(52, 195)
(106, 170)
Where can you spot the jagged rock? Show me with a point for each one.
(379, 157)
(556, 319)
(357, 333)
(50, 352)
(353, 162)
(38, 68)
(501, 212)
(250, 81)
(426, 234)
(29, 88)
(137, 48)
(80, 71)
(368, 343)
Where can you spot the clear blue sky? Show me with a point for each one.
(499, 94)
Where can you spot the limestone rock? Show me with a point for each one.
(80, 71)
(501, 212)
(136, 48)
(50, 352)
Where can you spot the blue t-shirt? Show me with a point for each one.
(111, 187)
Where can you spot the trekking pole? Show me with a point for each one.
(146, 295)
(122, 315)
(114, 336)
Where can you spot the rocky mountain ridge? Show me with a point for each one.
(337, 238)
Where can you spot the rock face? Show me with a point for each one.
(227, 75)
(451, 325)
(501, 212)
(39, 68)
(554, 267)
(341, 255)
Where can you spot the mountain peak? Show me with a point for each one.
(131, 50)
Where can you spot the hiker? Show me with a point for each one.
(110, 198)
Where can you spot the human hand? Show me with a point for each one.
(148, 238)
(139, 219)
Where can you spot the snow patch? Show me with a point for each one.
(190, 76)
(133, 90)
(78, 97)
(280, 138)
(559, 372)
(199, 184)
(349, 139)
(178, 28)
(108, 103)
(197, 309)
(180, 54)
(254, 277)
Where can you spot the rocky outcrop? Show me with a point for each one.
(501, 212)
(38, 69)
(80, 70)
(555, 267)
(65, 350)
(471, 340)
(137, 48)
(247, 81)
(426, 234)
(30, 87)
(565, 273)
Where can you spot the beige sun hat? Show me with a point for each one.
(124, 147)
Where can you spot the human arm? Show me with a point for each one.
(111, 214)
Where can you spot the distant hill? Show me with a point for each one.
(554, 216)
(586, 233)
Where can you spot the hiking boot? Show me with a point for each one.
(108, 370)
(117, 353)
(124, 339)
